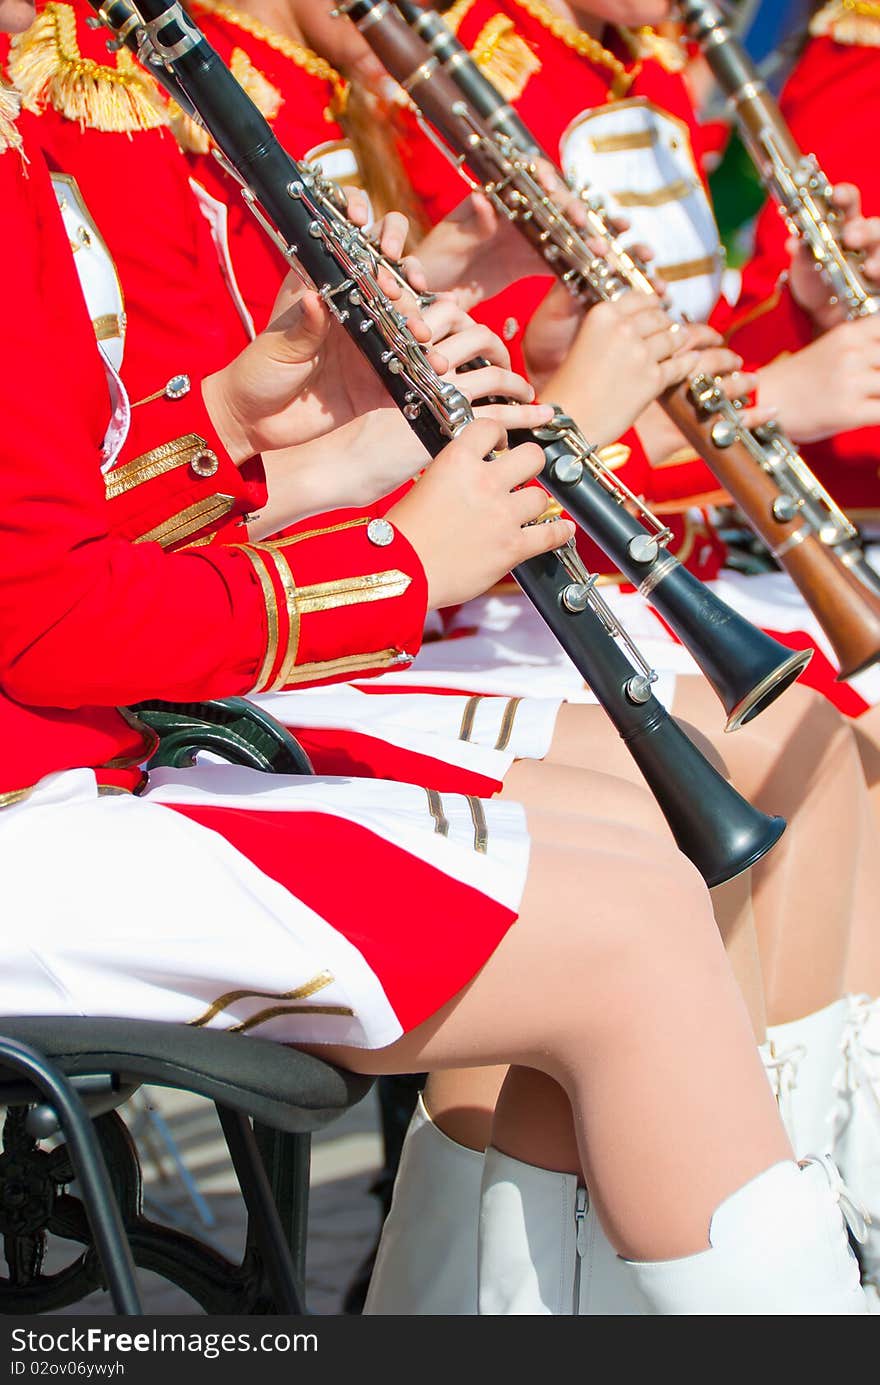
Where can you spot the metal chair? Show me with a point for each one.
(269, 1099)
(27, 1185)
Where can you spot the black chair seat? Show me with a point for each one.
(278, 1086)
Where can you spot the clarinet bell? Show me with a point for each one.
(747, 668)
(713, 825)
(761, 673)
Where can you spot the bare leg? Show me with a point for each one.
(605, 997)
(818, 886)
(597, 778)
(799, 759)
(863, 962)
(461, 1102)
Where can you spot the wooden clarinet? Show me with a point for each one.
(759, 468)
(794, 179)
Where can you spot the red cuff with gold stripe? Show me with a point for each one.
(348, 598)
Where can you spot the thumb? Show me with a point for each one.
(302, 327)
(484, 215)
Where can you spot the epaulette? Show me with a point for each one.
(194, 138)
(10, 108)
(504, 56)
(455, 16)
(48, 68)
(848, 21)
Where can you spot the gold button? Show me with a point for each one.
(204, 463)
(83, 235)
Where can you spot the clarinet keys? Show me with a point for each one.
(725, 433)
(643, 549)
(568, 469)
(638, 689)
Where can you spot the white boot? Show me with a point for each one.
(542, 1250)
(857, 1146)
(778, 1248)
(427, 1258)
(427, 1263)
(803, 1061)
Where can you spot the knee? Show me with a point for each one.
(633, 805)
(659, 912)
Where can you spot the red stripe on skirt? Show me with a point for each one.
(424, 934)
(353, 753)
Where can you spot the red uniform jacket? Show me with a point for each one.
(89, 620)
(135, 185)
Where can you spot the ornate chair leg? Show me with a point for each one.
(287, 1159)
(262, 1211)
(100, 1204)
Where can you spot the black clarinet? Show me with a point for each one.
(746, 668)
(712, 824)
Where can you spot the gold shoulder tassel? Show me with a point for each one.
(10, 106)
(46, 65)
(504, 56)
(194, 138)
(848, 21)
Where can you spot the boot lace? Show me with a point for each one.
(861, 1060)
(782, 1071)
(857, 1217)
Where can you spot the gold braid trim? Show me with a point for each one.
(46, 65)
(589, 48)
(193, 138)
(10, 106)
(505, 57)
(615, 455)
(645, 42)
(848, 21)
(298, 53)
